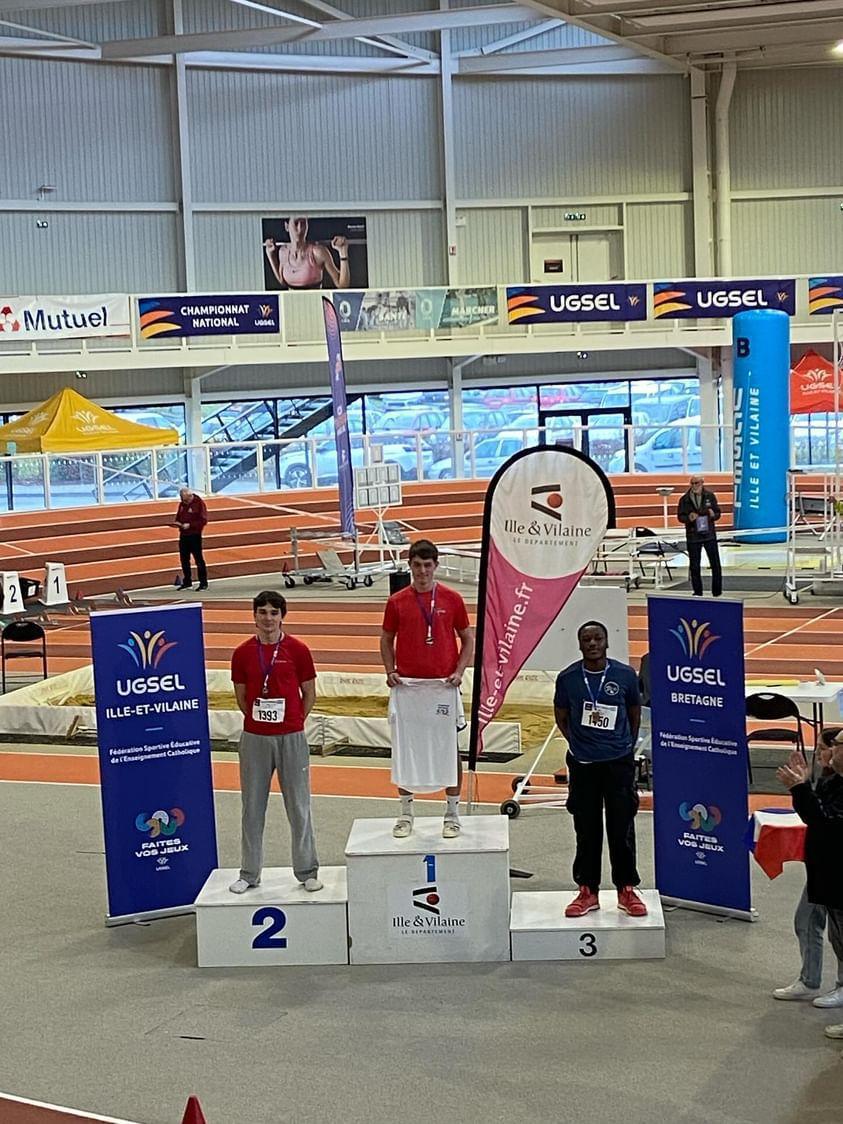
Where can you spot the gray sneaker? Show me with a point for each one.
(835, 1031)
(451, 828)
(241, 886)
(403, 827)
(830, 999)
(796, 990)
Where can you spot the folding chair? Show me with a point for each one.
(18, 633)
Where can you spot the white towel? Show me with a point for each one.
(424, 717)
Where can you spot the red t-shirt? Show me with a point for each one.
(406, 614)
(293, 666)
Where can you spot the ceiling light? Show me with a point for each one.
(838, 48)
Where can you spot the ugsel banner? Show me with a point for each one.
(700, 794)
(695, 300)
(345, 476)
(825, 294)
(545, 515)
(155, 758)
(548, 304)
(61, 318)
(233, 314)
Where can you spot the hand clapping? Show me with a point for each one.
(794, 771)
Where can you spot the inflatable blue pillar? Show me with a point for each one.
(761, 441)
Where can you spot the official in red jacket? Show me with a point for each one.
(190, 519)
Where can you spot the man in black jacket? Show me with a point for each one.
(821, 808)
(699, 510)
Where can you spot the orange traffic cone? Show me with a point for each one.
(193, 1114)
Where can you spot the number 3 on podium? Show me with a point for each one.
(588, 945)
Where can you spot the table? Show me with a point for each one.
(776, 836)
(813, 693)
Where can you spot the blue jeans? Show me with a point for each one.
(809, 922)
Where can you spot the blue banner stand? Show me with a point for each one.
(700, 756)
(155, 759)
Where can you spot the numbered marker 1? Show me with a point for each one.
(12, 596)
(55, 584)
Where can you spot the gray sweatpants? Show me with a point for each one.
(288, 754)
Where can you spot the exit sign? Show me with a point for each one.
(575, 216)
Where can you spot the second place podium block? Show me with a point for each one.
(427, 899)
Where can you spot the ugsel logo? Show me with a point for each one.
(695, 638)
(147, 650)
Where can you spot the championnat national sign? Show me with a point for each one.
(545, 515)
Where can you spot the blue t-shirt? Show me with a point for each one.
(619, 688)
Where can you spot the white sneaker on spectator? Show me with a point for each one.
(312, 885)
(834, 1031)
(830, 999)
(796, 990)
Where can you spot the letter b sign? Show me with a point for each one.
(742, 347)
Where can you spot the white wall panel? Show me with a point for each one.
(659, 240)
(97, 133)
(88, 253)
(787, 236)
(95, 22)
(554, 217)
(539, 138)
(249, 381)
(786, 129)
(405, 248)
(115, 386)
(311, 139)
(492, 245)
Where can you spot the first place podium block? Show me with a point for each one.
(427, 899)
(275, 923)
(541, 931)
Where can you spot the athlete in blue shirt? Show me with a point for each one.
(598, 710)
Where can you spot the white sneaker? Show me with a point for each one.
(831, 999)
(312, 885)
(241, 886)
(796, 990)
(403, 827)
(834, 1031)
(451, 829)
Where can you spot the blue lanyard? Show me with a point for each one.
(267, 671)
(588, 685)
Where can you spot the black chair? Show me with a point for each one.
(16, 643)
(659, 549)
(767, 706)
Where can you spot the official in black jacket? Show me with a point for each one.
(820, 806)
(699, 510)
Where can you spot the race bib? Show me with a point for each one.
(269, 710)
(599, 716)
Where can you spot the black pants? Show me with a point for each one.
(191, 546)
(695, 550)
(591, 788)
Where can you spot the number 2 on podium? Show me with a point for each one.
(275, 920)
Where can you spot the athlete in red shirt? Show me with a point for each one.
(421, 626)
(275, 685)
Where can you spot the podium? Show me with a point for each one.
(427, 899)
(541, 931)
(275, 923)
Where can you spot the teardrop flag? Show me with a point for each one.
(546, 512)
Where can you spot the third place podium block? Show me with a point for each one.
(426, 898)
(541, 931)
(275, 923)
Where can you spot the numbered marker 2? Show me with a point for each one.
(12, 596)
(275, 920)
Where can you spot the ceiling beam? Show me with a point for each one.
(337, 29)
(696, 42)
(400, 44)
(512, 40)
(762, 15)
(561, 58)
(43, 5)
(309, 64)
(607, 26)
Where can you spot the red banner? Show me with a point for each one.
(546, 512)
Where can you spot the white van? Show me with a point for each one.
(675, 448)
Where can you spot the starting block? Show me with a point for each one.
(541, 931)
(276, 923)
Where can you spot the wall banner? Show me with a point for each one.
(401, 310)
(155, 759)
(825, 294)
(229, 314)
(549, 304)
(456, 308)
(315, 253)
(545, 515)
(62, 318)
(700, 797)
(696, 300)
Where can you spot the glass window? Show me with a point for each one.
(169, 416)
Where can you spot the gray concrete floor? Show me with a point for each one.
(122, 1022)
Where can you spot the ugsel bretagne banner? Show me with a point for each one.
(545, 515)
(700, 794)
(155, 758)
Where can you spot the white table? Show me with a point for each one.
(817, 695)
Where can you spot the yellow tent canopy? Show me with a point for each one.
(69, 423)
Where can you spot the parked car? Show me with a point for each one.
(674, 448)
(294, 466)
(489, 455)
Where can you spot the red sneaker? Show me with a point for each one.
(585, 901)
(629, 902)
